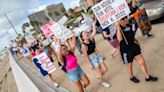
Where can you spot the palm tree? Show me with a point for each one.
(25, 26)
(70, 10)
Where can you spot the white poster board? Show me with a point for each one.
(109, 11)
(44, 64)
(88, 20)
(30, 39)
(61, 32)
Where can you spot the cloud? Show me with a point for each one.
(16, 10)
(74, 3)
(8, 5)
(3, 34)
(37, 9)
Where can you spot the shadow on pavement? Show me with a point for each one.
(157, 21)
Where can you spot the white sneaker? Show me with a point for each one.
(106, 85)
(56, 84)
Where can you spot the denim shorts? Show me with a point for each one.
(75, 75)
(96, 60)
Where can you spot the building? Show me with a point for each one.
(52, 12)
(56, 11)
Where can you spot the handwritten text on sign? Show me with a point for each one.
(61, 32)
(110, 11)
(46, 29)
(44, 64)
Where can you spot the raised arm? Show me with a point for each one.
(60, 57)
(93, 30)
(73, 44)
(119, 36)
(106, 35)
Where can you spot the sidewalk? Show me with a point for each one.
(153, 52)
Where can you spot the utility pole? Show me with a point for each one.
(11, 24)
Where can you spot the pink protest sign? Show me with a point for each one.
(46, 29)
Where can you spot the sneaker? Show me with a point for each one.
(134, 79)
(151, 78)
(150, 36)
(56, 84)
(106, 85)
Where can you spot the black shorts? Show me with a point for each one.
(128, 52)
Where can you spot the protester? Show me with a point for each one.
(130, 50)
(14, 48)
(69, 61)
(35, 52)
(47, 48)
(94, 60)
(55, 45)
(35, 45)
(78, 42)
(24, 50)
(133, 7)
(112, 39)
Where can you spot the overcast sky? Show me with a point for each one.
(17, 11)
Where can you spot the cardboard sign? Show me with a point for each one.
(112, 29)
(88, 20)
(46, 29)
(61, 32)
(142, 20)
(44, 64)
(30, 39)
(109, 11)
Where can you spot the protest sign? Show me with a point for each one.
(112, 29)
(44, 64)
(109, 11)
(142, 20)
(46, 29)
(61, 32)
(88, 20)
(30, 39)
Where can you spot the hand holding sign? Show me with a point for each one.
(61, 32)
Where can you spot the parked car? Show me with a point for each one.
(154, 8)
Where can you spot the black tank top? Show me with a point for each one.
(91, 47)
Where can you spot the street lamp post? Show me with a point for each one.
(11, 24)
(5, 15)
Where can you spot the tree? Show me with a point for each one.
(70, 12)
(24, 27)
(56, 13)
